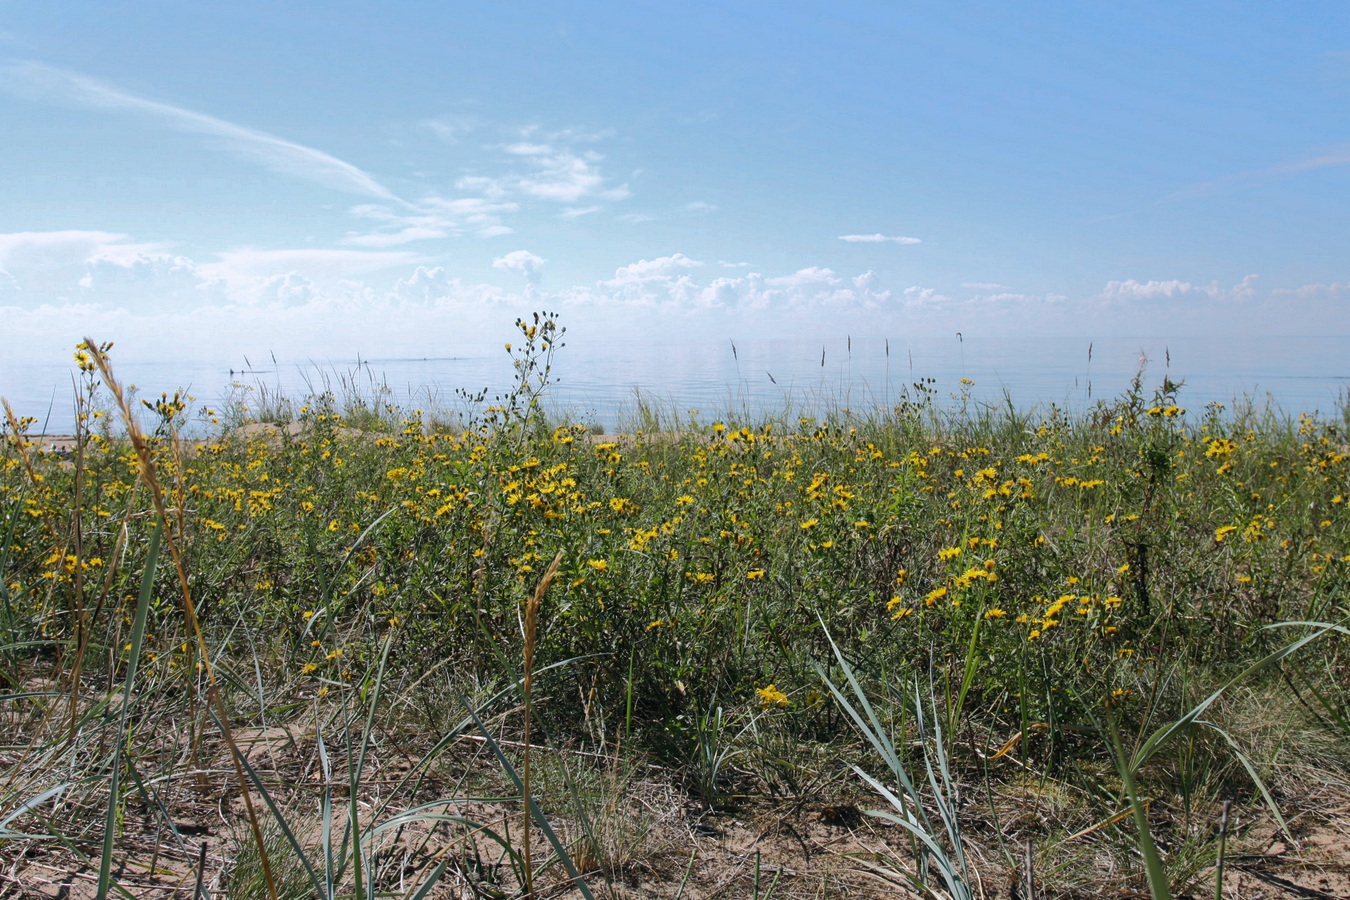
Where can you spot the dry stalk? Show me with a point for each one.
(531, 637)
(145, 466)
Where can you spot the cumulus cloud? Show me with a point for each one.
(1131, 289)
(662, 267)
(46, 266)
(878, 239)
(1175, 289)
(522, 262)
(391, 300)
(1334, 289)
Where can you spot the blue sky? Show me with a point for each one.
(342, 177)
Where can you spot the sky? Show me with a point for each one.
(204, 180)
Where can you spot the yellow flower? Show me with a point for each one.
(772, 696)
(599, 565)
(755, 573)
(1223, 531)
(810, 523)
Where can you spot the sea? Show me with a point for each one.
(621, 386)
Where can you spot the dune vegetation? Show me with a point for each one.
(933, 649)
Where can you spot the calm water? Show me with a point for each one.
(599, 382)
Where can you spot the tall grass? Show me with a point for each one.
(1054, 646)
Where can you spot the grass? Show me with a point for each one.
(1075, 653)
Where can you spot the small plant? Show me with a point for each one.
(711, 746)
(937, 854)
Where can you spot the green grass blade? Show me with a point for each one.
(285, 827)
(25, 806)
(944, 791)
(535, 812)
(1256, 779)
(432, 880)
(128, 688)
(1167, 732)
(325, 809)
(871, 728)
(1153, 865)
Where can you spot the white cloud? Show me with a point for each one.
(49, 266)
(560, 174)
(1175, 289)
(699, 207)
(522, 261)
(651, 269)
(433, 217)
(812, 275)
(72, 244)
(919, 298)
(534, 168)
(984, 286)
(248, 268)
(878, 239)
(393, 300)
(481, 184)
(869, 289)
(1154, 290)
(1335, 289)
(449, 128)
(394, 238)
(275, 153)
(545, 169)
